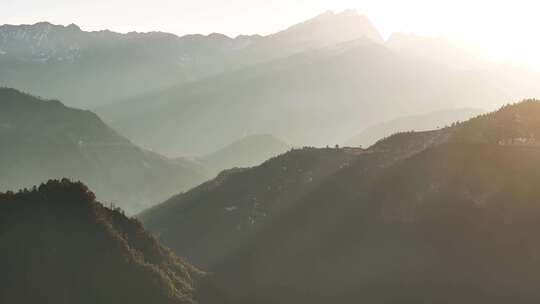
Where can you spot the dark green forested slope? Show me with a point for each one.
(453, 224)
(447, 216)
(43, 139)
(217, 218)
(436, 217)
(58, 245)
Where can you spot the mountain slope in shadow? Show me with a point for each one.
(445, 216)
(61, 246)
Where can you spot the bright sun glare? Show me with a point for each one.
(507, 31)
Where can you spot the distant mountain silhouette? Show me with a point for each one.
(315, 98)
(315, 83)
(331, 28)
(44, 139)
(424, 122)
(249, 151)
(89, 69)
(61, 246)
(444, 216)
(324, 30)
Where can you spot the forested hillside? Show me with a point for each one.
(218, 217)
(429, 217)
(61, 246)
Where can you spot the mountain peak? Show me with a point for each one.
(43, 24)
(336, 27)
(219, 36)
(332, 15)
(327, 14)
(74, 27)
(249, 151)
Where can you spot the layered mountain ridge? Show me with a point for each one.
(417, 217)
(417, 208)
(421, 122)
(96, 68)
(44, 139)
(315, 83)
(316, 98)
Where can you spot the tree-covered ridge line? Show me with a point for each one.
(59, 245)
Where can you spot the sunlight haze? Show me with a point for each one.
(504, 30)
(276, 152)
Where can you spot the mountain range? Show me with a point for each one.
(90, 69)
(445, 216)
(315, 83)
(315, 98)
(44, 139)
(319, 96)
(95, 68)
(319, 164)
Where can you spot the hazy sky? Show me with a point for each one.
(507, 30)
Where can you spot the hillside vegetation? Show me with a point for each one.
(61, 246)
(427, 217)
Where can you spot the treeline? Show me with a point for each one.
(59, 245)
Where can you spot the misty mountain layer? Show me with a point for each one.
(316, 98)
(445, 214)
(318, 82)
(43, 139)
(89, 69)
(422, 122)
(249, 151)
